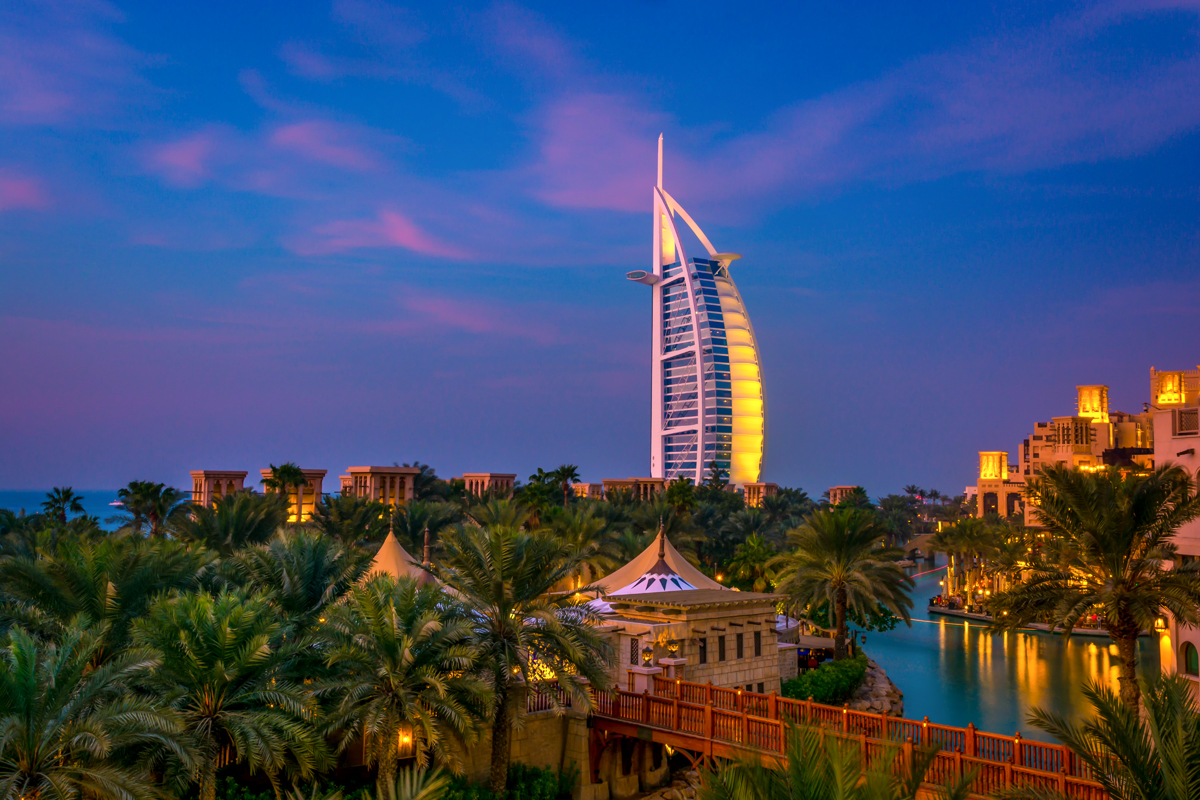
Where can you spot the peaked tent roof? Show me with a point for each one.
(659, 578)
(645, 562)
(392, 559)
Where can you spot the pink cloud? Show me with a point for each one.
(21, 192)
(597, 151)
(186, 162)
(442, 314)
(323, 142)
(59, 64)
(389, 228)
(529, 39)
(1023, 100)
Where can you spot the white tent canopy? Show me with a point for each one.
(392, 559)
(638, 568)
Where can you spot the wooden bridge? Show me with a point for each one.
(706, 722)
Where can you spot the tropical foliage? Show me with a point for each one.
(1134, 756)
(839, 558)
(1116, 527)
(187, 645)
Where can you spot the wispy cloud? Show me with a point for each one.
(323, 142)
(21, 192)
(185, 162)
(445, 314)
(60, 64)
(389, 228)
(1020, 101)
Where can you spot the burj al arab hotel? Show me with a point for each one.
(708, 403)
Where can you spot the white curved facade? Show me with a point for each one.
(708, 403)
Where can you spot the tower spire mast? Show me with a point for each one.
(660, 160)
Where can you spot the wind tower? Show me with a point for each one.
(707, 400)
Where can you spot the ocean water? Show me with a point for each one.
(95, 502)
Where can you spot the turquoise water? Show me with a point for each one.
(95, 502)
(957, 673)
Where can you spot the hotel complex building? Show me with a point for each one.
(1090, 438)
(707, 403)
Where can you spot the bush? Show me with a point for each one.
(524, 783)
(833, 682)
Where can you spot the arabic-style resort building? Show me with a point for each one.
(708, 403)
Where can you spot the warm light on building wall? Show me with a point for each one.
(993, 465)
(1170, 388)
(749, 418)
(1093, 402)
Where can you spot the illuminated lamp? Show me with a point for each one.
(673, 647)
(1160, 624)
(647, 655)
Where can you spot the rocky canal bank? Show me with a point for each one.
(878, 695)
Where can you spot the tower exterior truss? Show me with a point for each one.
(708, 402)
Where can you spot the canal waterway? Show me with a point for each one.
(957, 672)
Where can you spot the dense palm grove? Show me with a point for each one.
(175, 644)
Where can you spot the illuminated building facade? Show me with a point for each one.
(707, 398)
(1090, 438)
(1175, 404)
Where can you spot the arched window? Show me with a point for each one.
(1191, 659)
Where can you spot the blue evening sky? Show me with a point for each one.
(361, 232)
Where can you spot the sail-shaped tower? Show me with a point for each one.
(708, 403)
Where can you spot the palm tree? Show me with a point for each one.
(681, 494)
(499, 513)
(1134, 756)
(824, 767)
(751, 563)
(413, 519)
(110, 583)
(743, 524)
(405, 673)
(1120, 526)
(350, 519)
(73, 730)
(968, 543)
(221, 671)
(838, 556)
(151, 508)
(288, 476)
(301, 574)
(503, 576)
(564, 476)
(417, 784)
(62, 501)
(588, 532)
(235, 521)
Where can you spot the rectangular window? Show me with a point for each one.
(704, 651)
(738, 641)
(633, 652)
(757, 644)
(1187, 421)
(749, 687)
(720, 648)
(760, 689)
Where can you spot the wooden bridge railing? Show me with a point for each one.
(759, 722)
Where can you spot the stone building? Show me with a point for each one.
(489, 484)
(640, 488)
(1091, 438)
(392, 486)
(666, 617)
(755, 493)
(839, 493)
(301, 501)
(210, 485)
